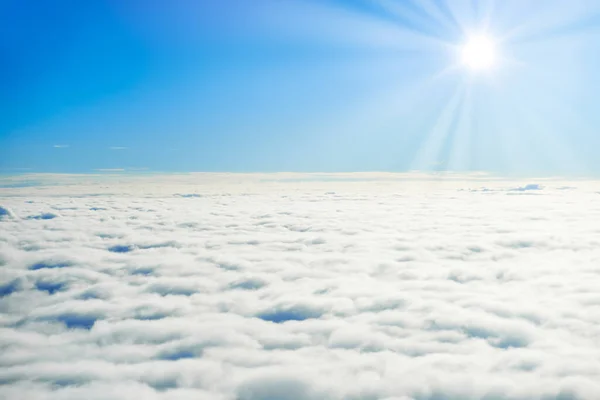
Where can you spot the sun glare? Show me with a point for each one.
(478, 53)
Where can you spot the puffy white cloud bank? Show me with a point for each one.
(288, 286)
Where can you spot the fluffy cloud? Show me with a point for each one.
(289, 286)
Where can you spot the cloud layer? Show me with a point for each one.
(281, 287)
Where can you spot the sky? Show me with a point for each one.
(298, 85)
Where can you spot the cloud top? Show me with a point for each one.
(255, 287)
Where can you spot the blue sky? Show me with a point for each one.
(303, 85)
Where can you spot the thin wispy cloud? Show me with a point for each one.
(60, 146)
(110, 169)
(117, 148)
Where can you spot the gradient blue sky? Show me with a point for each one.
(303, 85)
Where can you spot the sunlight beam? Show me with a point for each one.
(429, 154)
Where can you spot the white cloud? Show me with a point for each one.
(61, 146)
(117, 148)
(290, 286)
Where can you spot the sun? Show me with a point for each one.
(478, 53)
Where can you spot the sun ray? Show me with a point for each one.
(340, 25)
(426, 19)
(551, 21)
(443, 14)
(550, 136)
(489, 8)
(428, 155)
(445, 11)
(461, 147)
(516, 125)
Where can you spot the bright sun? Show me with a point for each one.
(478, 53)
